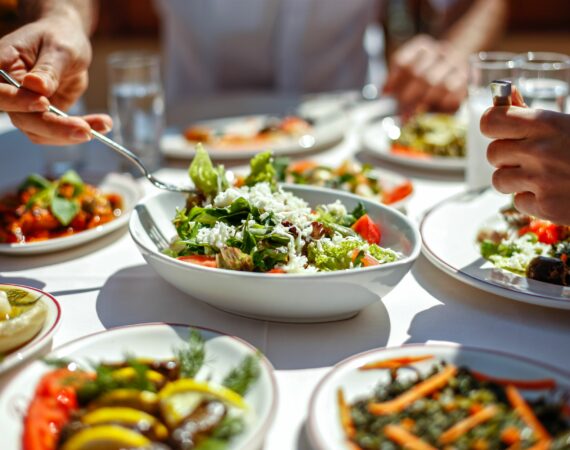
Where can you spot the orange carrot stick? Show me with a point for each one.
(420, 390)
(463, 426)
(546, 383)
(526, 413)
(345, 416)
(511, 435)
(405, 439)
(394, 363)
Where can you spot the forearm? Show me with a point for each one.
(84, 12)
(480, 28)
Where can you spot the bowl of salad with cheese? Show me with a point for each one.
(274, 251)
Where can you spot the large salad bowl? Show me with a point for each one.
(314, 297)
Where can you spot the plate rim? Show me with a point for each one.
(525, 297)
(31, 346)
(315, 439)
(266, 424)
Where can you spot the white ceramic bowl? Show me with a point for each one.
(324, 429)
(156, 340)
(122, 184)
(316, 297)
(42, 339)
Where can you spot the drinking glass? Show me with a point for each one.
(484, 67)
(136, 102)
(543, 78)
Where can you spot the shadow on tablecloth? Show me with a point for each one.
(137, 294)
(473, 317)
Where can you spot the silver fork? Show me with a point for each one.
(113, 145)
(151, 229)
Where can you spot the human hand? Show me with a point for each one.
(50, 58)
(531, 152)
(426, 74)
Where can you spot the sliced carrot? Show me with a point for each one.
(546, 383)
(398, 193)
(511, 435)
(526, 413)
(366, 260)
(345, 416)
(200, 260)
(405, 439)
(302, 166)
(276, 270)
(395, 363)
(463, 426)
(418, 391)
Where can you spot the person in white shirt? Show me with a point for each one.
(291, 46)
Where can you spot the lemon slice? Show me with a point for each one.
(126, 416)
(128, 373)
(131, 398)
(106, 437)
(180, 398)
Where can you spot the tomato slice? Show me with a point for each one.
(398, 193)
(546, 232)
(200, 260)
(50, 409)
(369, 231)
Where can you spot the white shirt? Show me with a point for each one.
(279, 45)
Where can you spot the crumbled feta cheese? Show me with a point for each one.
(216, 236)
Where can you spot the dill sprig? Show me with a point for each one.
(191, 357)
(243, 375)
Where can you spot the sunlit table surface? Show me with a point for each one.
(108, 284)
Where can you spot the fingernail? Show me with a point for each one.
(39, 106)
(81, 135)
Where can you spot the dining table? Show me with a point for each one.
(107, 283)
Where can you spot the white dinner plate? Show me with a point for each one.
(154, 340)
(376, 139)
(122, 184)
(449, 231)
(42, 338)
(325, 133)
(324, 429)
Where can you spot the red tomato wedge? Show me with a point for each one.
(369, 231)
(546, 232)
(398, 193)
(200, 260)
(50, 409)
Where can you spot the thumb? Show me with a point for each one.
(45, 76)
(517, 98)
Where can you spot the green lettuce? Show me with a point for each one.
(207, 178)
(262, 170)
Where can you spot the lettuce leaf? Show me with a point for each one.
(262, 170)
(207, 178)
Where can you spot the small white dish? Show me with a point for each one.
(42, 338)
(376, 139)
(449, 232)
(319, 297)
(155, 340)
(324, 429)
(122, 184)
(324, 134)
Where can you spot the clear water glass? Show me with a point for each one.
(484, 67)
(136, 101)
(543, 78)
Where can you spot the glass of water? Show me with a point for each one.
(484, 67)
(543, 78)
(136, 102)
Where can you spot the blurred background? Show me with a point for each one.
(532, 26)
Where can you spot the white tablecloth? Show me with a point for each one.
(107, 283)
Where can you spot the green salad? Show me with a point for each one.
(256, 226)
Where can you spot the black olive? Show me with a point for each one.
(547, 269)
